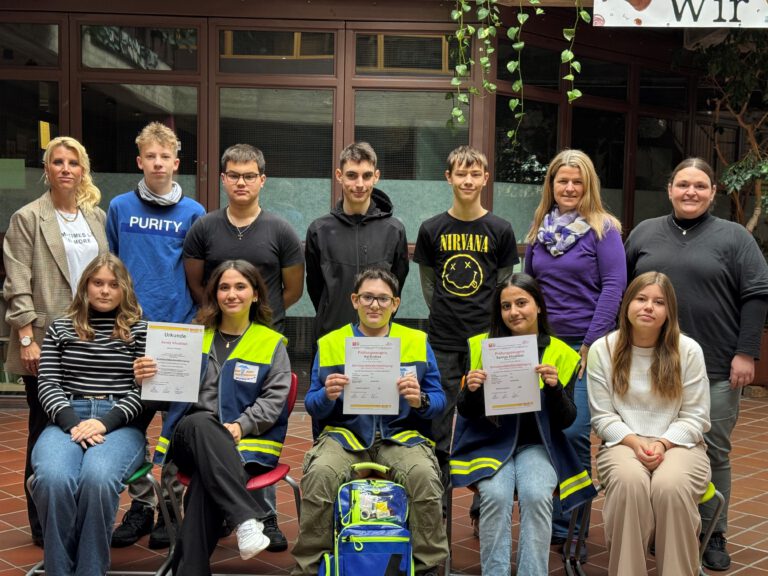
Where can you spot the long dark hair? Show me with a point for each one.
(260, 312)
(525, 282)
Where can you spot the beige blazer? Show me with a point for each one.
(37, 285)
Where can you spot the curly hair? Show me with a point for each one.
(128, 311)
(88, 195)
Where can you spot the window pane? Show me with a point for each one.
(601, 134)
(28, 44)
(659, 88)
(294, 129)
(660, 147)
(409, 133)
(539, 66)
(520, 170)
(405, 55)
(114, 114)
(29, 119)
(598, 78)
(139, 48)
(276, 52)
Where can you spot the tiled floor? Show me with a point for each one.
(748, 519)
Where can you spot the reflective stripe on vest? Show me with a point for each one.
(465, 467)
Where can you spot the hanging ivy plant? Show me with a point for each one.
(488, 22)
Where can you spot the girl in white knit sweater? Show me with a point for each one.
(649, 400)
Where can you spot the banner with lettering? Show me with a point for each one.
(682, 13)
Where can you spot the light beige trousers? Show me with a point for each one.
(639, 503)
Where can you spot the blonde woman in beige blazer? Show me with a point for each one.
(42, 257)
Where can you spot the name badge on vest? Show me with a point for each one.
(246, 372)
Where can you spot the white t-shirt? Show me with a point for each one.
(80, 245)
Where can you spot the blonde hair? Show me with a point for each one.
(160, 133)
(666, 378)
(128, 311)
(87, 195)
(465, 156)
(590, 206)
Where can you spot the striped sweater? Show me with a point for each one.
(103, 365)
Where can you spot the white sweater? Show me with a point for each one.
(641, 412)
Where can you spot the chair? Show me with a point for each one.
(144, 471)
(573, 564)
(279, 472)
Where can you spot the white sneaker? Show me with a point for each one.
(251, 539)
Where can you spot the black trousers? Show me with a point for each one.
(36, 423)
(204, 450)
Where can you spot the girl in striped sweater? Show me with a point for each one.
(90, 447)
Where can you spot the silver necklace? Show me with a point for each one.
(239, 231)
(228, 342)
(685, 230)
(68, 217)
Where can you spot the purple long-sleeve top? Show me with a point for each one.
(583, 287)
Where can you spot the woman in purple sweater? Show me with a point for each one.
(576, 254)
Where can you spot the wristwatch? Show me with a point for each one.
(26, 340)
(425, 404)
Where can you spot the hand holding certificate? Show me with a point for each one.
(177, 352)
(512, 383)
(372, 366)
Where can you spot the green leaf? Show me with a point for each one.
(455, 81)
(455, 14)
(512, 32)
(463, 98)
(539, 11)
(482, 33)
(512, 65)
(517, 85)
(576, 65)
(470, 30)
(566, 55)
(490, 86)
(534, 2)
(513, 103)
(518, 46)
(456, 112)
(461, 119)
(465, 7)
(574, 94)
(584, 15)
(522, 17)
(511, 134)
(490, 50)
(482, 13)
(473, 90)
(568, 77)
(485, 61)
(461, 69)
(569, 33)
(492, 30)
(519, 115)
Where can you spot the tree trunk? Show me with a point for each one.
(758, 209)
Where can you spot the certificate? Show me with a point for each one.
(511, 384)
(177, 349)
(373, 368)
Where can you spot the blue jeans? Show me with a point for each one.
(77, 492)
(531, 473)
(724, 412)
(578, 435)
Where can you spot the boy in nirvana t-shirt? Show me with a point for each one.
(461, 253)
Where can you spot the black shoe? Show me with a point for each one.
(277, 541)
(474, 521)
(136, 523)
(159, 538)
(583, 554)
(716, 556)
(428, 572)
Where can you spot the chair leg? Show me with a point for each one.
(37, 569)
(707, 534)
(296, 494)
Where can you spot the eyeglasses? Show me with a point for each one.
(248, 178)
(369, 299)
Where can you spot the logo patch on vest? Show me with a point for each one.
(246, 372)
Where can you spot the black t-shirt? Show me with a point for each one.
(466, 257)
(269, 243)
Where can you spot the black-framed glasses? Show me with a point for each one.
(369, 299)
(248, 177)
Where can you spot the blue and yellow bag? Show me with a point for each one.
(371, 535)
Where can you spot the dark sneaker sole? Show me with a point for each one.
(277, 547)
